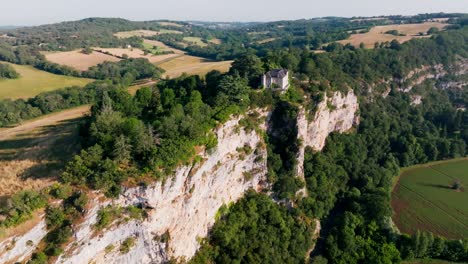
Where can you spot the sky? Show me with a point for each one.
(35, 12)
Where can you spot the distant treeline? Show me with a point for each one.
(15, 111)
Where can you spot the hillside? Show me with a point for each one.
(213, 167)
(33, 82)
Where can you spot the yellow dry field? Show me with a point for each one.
(193, 66)
(33, 82)
(144, 33)
(134, 88)
(215, 41)
(171, 24)
(195, 41)
(442, 19)
(78, 60)
(33, 154)
(368, 19)
(263, 41)
(377, 34)
(138, 53)
(163, 46)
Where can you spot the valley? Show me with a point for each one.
(292, 141)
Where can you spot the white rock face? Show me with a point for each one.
(18, 248)
(184, 207)
(340, 118)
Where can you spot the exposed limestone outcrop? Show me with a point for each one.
(185, 207)
(17, 248)
(334, 114)
(419, 75)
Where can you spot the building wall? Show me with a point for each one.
(281, 83)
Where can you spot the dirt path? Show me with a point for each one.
(48, 120)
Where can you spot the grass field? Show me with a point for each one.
(215, 41)
(263, 41)
(33, 82)
(144, 33)
(32, 154)
(154, 49)
(78, 60)
(195, 41)
(422, 199)
(138, 53)
(192, 66)
(162, 46)
(172, 24)
(377, 34)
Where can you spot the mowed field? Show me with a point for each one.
(193, 66)
(144, 33)
(33, 82)
(78, 60)
(33, 153)
(175, 63)
(197, 41)
(422, 199)
(138, 53)
(162, 46)
(377, 34)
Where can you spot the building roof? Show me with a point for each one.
(277, 73)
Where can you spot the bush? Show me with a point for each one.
(7, 72)
(38, 258)
(19, 207)
(106, 216)
(126, 245)
(60, 191)
(54, 217)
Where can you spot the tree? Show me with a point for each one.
(248, 66)
(457, 185)
(432, 30)
(8, 72)
(87, 50)
(122, 149)
(232, 90)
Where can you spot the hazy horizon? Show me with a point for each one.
(32, 12)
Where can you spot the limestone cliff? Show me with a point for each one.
(184, 208)
(336, 113)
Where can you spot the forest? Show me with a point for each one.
(159, 127)
(349, 181)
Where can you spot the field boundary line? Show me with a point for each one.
(169, 59)
(441, 172)
(403, 170)
(435, 205)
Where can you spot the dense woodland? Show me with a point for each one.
(349, 182)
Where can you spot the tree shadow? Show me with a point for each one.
(51, 148)
(438, 186)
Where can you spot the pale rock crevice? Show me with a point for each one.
(340, 118)
(185, 207)
(20, 248)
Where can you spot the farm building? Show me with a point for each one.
(276, 79)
